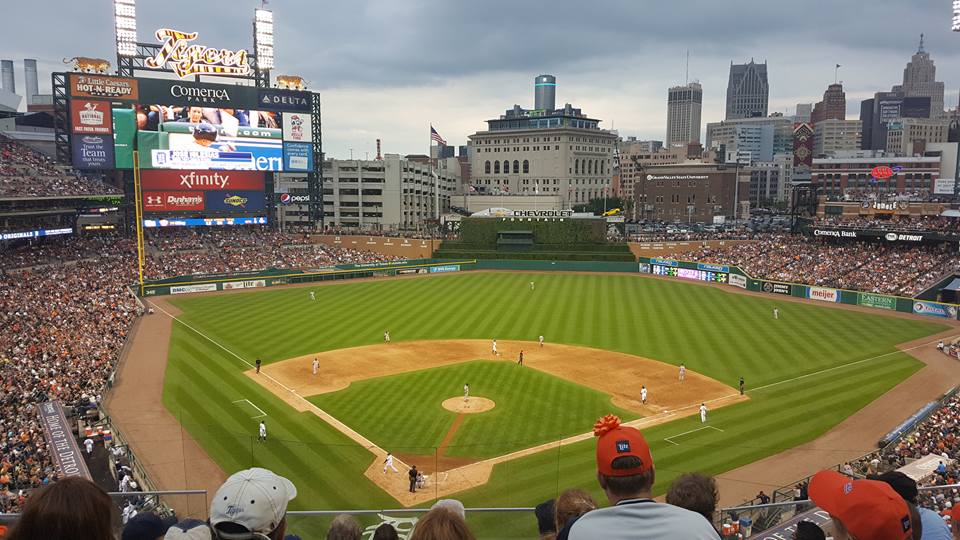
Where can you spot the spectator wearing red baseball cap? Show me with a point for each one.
(862, 509)
(626, 474)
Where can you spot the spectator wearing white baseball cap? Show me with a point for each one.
(251, 505)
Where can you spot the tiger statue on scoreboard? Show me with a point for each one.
(88, 65)
(292, 82)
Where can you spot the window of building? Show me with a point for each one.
(486, 167)
(526, 166)
(516, 167)
(576, 166)
(496, 167)
(506, 167)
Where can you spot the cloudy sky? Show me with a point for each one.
(388, 68)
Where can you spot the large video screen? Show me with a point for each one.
(179, 125)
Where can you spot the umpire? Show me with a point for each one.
(413, 479)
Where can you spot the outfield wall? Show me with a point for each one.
(683, 270)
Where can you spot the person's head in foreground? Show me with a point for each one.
(344, 527)
(69, 509)
(251, 505)
(441, 523)
(145, 526)
(695, 492)
(808, 530)
(862, 509)
(386, 532)
(572, 503)
(546, 521)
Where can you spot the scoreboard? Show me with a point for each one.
(689, 273)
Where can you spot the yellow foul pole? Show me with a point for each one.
(138, 206)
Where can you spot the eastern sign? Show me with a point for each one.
(878, 301)
(103, 87)
(188, 59)
(91, 117)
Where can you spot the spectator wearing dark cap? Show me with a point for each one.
(146, 526)
(808, 530)
(626, 474)
(251, 505)
(546, 521)
(862, 509)
(695, 492)
(932, 525)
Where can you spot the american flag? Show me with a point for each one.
(434, 136)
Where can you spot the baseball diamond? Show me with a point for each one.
(605, 335)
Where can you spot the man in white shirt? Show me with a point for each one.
(88, 443)
(643, 395)
(263, 431)
(316, 365)
(626, 474)
(703, 413)
(388, 463)
(466, 392)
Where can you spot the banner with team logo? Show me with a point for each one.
(934, 309)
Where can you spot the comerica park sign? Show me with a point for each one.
(956, 16)
(187, 59)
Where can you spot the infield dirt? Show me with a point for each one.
(619, 375)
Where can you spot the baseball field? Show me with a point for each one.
(523, 435)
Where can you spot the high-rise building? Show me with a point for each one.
(804, 111)
(752, 135)
(886, 108)
(562, 153)
(919, 80)
(545, 93)
(910, 136)
(683, 114)
(833, 106)
(747, 91)
(833, 136)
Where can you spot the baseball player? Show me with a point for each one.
(741, 385)
(88, 443)
(531, 285)
(703, 413)
(389, 463)
(263, 431)
(466, 392)
(683, 372)
(541, 341)
(258, 362)
(316, 366)
(520, 361)
(776, 313)
(313, 296)
(493, 348)
(386, 336)
(643, 394)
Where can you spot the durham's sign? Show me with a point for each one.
(188, 59)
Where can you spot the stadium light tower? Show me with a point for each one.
(125, 17)
(263, 38)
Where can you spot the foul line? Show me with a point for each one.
(841, 366)
(261, 415)
(688, 432)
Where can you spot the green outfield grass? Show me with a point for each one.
(408, 417)
(720, 334)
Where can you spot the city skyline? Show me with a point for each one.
(389, 71)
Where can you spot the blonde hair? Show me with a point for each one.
(570, 504)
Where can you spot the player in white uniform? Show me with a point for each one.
(683, 372)
(531, 285)
(466, 392)
(389, 463)
(88, 443)
(263, 431)
(386, 336)
(703, 413)
(643, 394)
(493, 348)
(541, 341)
(313, 296)
(316, 366)
(776, 313)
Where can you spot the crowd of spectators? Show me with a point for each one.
(65, 313)
(907, 223)
(863, 266)
(26, 173)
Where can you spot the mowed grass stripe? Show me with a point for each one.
(716, 333)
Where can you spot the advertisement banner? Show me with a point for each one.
(92, 151)
(235, 201)
(713, 267)
(446, 268)
(91, 117)
(274, 99)
(663, 262)
(297, 127)
(173, 92)
(172, 201)
(644, 268)
(823, 294)
(934, 309)
(104, 87)
(777, 288)
(878, 301)
(185, 289)
(64, 449)
(19, 235)
(155, 180)
(222, 152)
(297, 156)
(737, 280)
(244, 284)
(944, 186)
(204, 222)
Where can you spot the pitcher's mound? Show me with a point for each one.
(474, 405)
